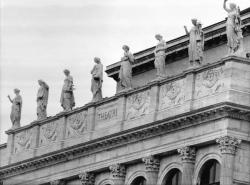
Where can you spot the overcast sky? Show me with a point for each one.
(40, 38)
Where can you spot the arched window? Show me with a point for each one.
(139, 181)
(173, 177)
(210, 173)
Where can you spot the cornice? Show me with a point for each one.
(206, 114)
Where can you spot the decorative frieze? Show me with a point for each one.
(209, 82)
(117, 171)
(23, 141)
(58, 182)
(187, 154)
(151, 163)
(172, 94)
(48, 133)
(87, 178)
(106, 112)
(228, 144)
(76, 124)
(138, 105)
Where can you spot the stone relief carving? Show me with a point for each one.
(187, 154)
(87, 178)
(209, 82)
(138, 105)
(151, 163)
(228, 144)
(48, 133)
(76, 124)
(23, 141)
(117, 171)
(106, 113)
(172, 94)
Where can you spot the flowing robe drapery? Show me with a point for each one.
(16, 108)
(125, 74)
(42, 101)
(160, 59)
(67, 99)
(96, 82)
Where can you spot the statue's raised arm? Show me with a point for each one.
(225, 6)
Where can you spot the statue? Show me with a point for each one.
(97, 79)
(42, 100)
(67, 96)
(125, 74)
(233, 30)
(196, 43)
(15, 115)
(160, 57)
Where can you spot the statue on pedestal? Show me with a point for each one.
(160, 57)
(125, 74)
(42, 100)
(97, 80)
(233, 30)
(196, 43)
(15, 115)
(67, 99)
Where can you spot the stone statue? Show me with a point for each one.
(42, 100)
(160, 57)
(67, 99)
(97, 80)
(125, 74)
(196, 43)
(15, 115)
(233, 30)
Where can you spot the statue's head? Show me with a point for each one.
(194, 21)
(125, 48)
(16, 91)
(97, 60)
(199, 23)
(158, 37)
(40, 82)
(232, 6)
(66, 72)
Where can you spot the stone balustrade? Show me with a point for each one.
(194, 89)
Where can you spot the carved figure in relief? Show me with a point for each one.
(49, 132)
(125, 73)
(16, 108)
(42, 100)
(97, 80)
(77, 124)
(196, 43)
(23, 141)
(138, 105)
(160, 57)
(233, 30)
(67, 96)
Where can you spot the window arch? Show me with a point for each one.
(173, 177)
(139, 181)
(210, 173)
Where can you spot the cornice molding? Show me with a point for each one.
(206, 114)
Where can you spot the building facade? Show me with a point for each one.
(191, 128)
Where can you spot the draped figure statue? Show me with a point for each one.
(160, 57)
(16, 108)
(196, 43)
(234, 31)
(42, 100)
(67, 99)
(125, 73)
(97, 80)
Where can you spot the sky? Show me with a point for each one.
(41, 38)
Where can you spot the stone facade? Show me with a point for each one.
(178, 125)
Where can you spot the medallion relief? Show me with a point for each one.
(23, 141)
(48, 133)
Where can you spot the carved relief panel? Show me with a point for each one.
(209, 82)
(23, 141)
(172, 94)
(76, 124)
(49, 133)
(107, 112)
(137, 105)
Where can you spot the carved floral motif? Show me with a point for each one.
(23, 141)
(117, 171)
(187, 154)
(49, 133)
(151, 163)
(209, 82)
(87, 178)
(76, 124)
(172, 94)
(138, 105)
(228, 144)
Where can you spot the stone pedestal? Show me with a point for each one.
(117, 174)
(228, 146)
(152, 165)
(188, 161)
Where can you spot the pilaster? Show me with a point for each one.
(152, 166)
(117, 174)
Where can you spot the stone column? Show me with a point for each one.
(118, 174)
(87, 178)
(152, 165)
(228, 146)
(58, 182)
(188, 161)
